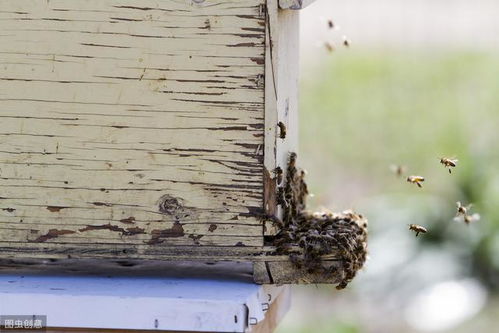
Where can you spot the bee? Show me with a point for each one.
(417, 229)
(330, 24)
(462, 210)
(281, 198)
(399, 170)
(416, 180)
(282, 129)
(346, 41)
(449, 163)
(342, 285)
(278, 172)
(471, 218)
(329, 47)
(292, 160)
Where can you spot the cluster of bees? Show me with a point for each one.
(309, 237)
(462, 211)
(329, 45)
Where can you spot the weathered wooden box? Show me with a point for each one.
(146, 129)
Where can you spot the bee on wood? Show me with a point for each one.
(329, 47)
(417, 229)
(346, 41)
(448, 163)
(279, 174)
(282, 130)
(281, 198)
(342, 285)
(416, 180)
(399, 170)
(292, 160)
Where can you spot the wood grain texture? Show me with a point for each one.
(281, 99)
(295, 4)
(145, 130)
(135, 124)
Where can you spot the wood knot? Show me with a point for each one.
(170, 205)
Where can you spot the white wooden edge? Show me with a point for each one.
(294, 4)
(139, 303)
(281, 89)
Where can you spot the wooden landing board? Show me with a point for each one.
(136, 124)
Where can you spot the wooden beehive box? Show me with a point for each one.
(146, 129)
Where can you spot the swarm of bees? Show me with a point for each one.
(309, 237)
(330, 46)
(462, 211)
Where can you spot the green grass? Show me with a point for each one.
(361, 112)
(332, 326)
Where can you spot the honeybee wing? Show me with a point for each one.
(458, 213)
(475, 217)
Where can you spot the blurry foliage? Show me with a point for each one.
(363, 111)
(330, 326)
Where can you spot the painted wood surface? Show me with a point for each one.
(146, 303)
(131, 125)
(295, 4)
(145, 130)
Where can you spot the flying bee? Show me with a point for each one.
(399, 170)
(346, 41)
(448, 163)
(471, 218)
(417, 229)
(416, 180)
(329, 47)
(330, 24)
(278, 172)
(462, 210)
(282, 130)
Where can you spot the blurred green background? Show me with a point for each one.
(365, 108)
